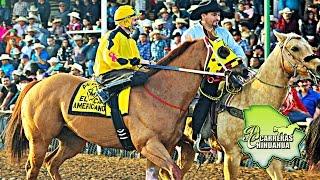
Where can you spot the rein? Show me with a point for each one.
(163, 101)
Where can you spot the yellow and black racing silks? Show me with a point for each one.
(116, 51)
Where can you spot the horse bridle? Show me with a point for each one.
(294, 66)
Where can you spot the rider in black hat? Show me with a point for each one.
(208, 14)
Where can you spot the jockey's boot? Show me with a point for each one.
(106, 92)
(201, 145)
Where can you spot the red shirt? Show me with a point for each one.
(292, 101)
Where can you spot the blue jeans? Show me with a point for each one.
(296, 116)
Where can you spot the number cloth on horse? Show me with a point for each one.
(85, 101)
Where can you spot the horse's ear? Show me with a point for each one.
(280, 36)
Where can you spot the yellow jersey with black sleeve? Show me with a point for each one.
(117, 50)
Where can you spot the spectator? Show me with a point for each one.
(63, 14)
(74, 24)
(95, 11)
(147, 28)
(40, 56)
(309, 98)
(255, 64)
(143, 20)
(76, 69)
(158, 45)
(111, 9)
(87, 25)
(181, 25)
(20, 8)
(25, 65)
(57, 28)
(164, 32)
(77, 45)
(309, 26)
(176, 39)
(6, 66)
(144, 46)
(52, 47)
(228, 24)
(21, 26)
(16, 76)
(34, 10)
(5, 10)
(28, 48)
(9, 91)
(44, 10)
(242, 42)
(12, 35)
(65, 52)
(258, 51)
(167, 19)
(177, 13)
(11, 45)
(15, 54)
(4, 29)
(286, 23)
(89, 51)
(32, 19)
(55, 65)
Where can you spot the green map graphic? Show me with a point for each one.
(268, 135)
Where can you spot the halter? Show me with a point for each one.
(293, 65)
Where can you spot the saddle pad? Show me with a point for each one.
(85, 101)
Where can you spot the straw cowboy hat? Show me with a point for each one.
(33, 8)
(38, 45)
(31, 29)
(5, 57)
(146, 24)
(53, 60)
(181, 21)
(156, 31)
(204, 7)
(28, 38)
(163, 10)
(77, 66)
(56, 20)
(286, 11)
(77, 37)
(32, 16)
(21, 18)
(74, 14)
(158, 22)
(226, 20)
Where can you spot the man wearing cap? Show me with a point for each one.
(44, 10)
(118, 53)
(6, 66)
(208, 14)
(21, 26)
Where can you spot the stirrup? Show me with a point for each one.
(197, 148)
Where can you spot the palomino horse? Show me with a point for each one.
(156, 119)
(292, 55)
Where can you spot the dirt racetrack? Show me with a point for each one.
(85, 166)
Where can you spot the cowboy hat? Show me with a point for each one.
(53, 60)
(123, 2)
(158, 22)
(5, 57)
(56, 20)
(31, 29)
(38, 45)
(33, 8)
(181, 21)
(77, 37)
(74, 14)
(77, 66)
(226, 20)
(21, 18)
(286, 10)
(156, 31)
(28, 38)
(16, 72)
(32, 16)
(163, 10)
(204, 7)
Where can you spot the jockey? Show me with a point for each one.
(208, 14)
(118, 54)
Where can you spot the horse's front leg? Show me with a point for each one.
(274, 170)
(156, 152)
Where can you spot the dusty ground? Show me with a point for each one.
(85, 166)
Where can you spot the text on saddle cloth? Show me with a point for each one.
(85, 101)
(221, 56)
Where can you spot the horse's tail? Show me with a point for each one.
(313, 142)
(16, 143)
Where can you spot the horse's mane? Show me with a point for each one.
(172, 55)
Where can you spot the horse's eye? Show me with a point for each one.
(295, 49)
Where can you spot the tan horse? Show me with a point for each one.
(41, 114)
(269, 87)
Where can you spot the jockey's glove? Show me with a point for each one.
(122, 61)
(135, 61)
